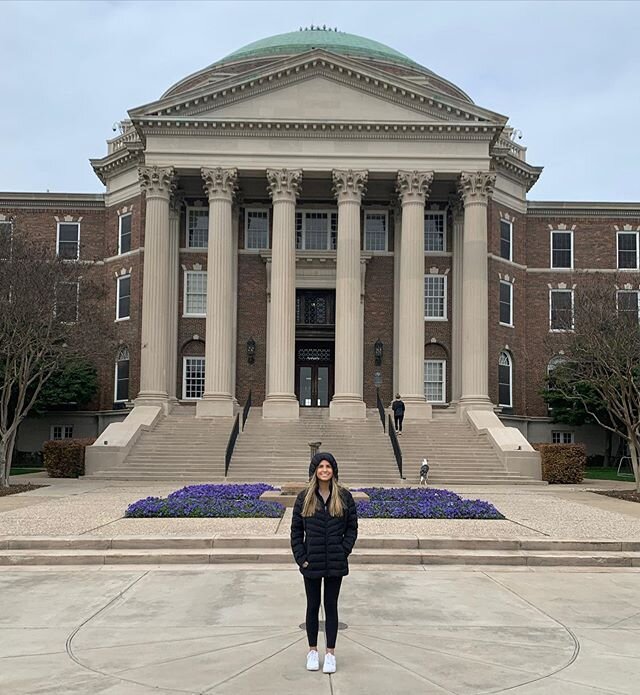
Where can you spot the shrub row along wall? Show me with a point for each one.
(562, 463)
(64, 458)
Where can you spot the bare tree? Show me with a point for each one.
(50, 312)
(601, 347)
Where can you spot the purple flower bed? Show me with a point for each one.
(208, 501)
(422, 503)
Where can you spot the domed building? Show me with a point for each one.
(300, 231)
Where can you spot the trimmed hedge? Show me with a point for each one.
(64, 458)
(562, 463)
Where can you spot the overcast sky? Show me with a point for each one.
(566, 73)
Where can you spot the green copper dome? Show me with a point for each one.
(308, 39)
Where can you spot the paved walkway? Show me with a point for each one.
(224, 630)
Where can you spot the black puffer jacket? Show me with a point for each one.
(322, 540)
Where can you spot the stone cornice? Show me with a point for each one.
(53, 200)
(128, 158)
(515, 168)
(540, 208)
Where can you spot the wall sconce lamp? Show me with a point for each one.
(378, 351)
(251, 351)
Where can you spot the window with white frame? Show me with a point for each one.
(193, 378)
(316, 230)
(628, 302)
(435, 230)
(62, 432)
(256, 229)
(560, 437)
(506, 303)
(124, 233)
(561, 249)
(197, 228)
(561, 310)
(68, 241)
(123, 297)
(375, 230)
(628, 250)
(506, 240)
(435, 297)
(66, 304)
(505, 374)
(121, 390)
(435, 382)
(195, 293)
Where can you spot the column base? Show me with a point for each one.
(215, 407)
(154, 399)
(467, 403)
(416, 408)
(280, 408)
(347, 409)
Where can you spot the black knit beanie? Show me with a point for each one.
(323, 456)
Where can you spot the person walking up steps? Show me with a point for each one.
(398, 413)
(324, 529)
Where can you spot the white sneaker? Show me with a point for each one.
(313, 661)
(329, 664)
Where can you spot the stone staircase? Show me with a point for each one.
(278, 451)
(179, 447)
(456, 453)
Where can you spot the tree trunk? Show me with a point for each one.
(633, 450)
(6, 454)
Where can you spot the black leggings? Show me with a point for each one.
(331, 592)
(398, 419)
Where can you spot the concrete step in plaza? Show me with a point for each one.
(275, 550)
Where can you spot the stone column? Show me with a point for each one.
(347, 402)
(175, 210)
(281, 401)
(413, 188)
(475, 189)
(217, 399)
(158, 184)
(457, 214)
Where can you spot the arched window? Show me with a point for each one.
(122, 375)
(505, 374)
(554, 362)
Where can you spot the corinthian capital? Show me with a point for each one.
(413, 185)
(219, 182)
(284, 184)
(157, 181)
(476, 187)
(349, 184)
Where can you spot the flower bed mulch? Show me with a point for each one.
(209, 501)
(17, 489)
(422, 503)
(629, 495)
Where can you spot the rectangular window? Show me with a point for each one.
(256, 229)
(123, 297)
(506, 240)
(561, 310)
(506, 303)
(122, 378)
(124, 233)
(435, 297)
(193, 378)
(68, 243)
(66, 305)
(562, 437)
(195, 293)
(61, 431)
(316, 230)
(435, 385)
(435, 231)
(628, 302)
(197, 228)
(628, 250)
(561, 249)
(375, 231)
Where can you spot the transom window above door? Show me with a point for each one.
(316, 230)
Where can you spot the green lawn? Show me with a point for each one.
(607, 474)
(24, 471)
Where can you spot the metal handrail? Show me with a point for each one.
(396, 446)
(381, 410)
(246, 409)
(232, 442)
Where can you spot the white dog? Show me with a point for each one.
(424, 472)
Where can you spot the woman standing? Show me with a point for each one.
(324, 529)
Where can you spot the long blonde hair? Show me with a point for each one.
(336, 505)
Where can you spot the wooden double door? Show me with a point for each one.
(314, 373)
